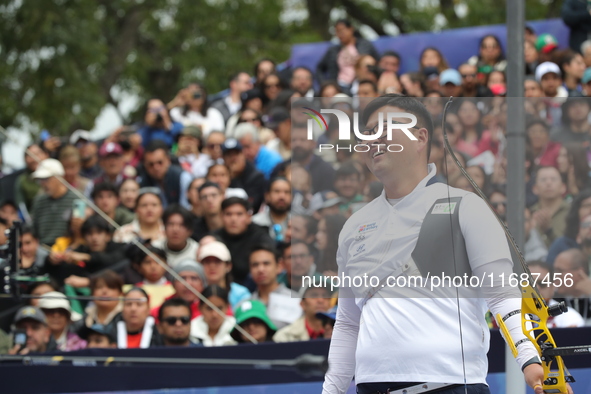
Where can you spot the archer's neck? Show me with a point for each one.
(400, 185)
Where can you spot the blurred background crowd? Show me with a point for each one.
(233, 198)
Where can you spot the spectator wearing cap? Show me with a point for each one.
(279, 121)
(217, 262)
(574, 125)
(32, 321)
(264, 159)
(192, 108)
(26, 187)
(239, 83)
(573, 68)
(239, 233)
(210, 197)
(264, 270)
(309, 326)
(105, 196)
(188, 152)
(174, 323)
(275, 217)
(192, 272)
(98, 337)
(158, 125)
(112, 162)
(328, 318)
(586, 82)
(159, 172)
(576, 16)
(58, 314)
(178, 227)
(147, 223)
(470, 85)
(251, 316)
(52, 208)
(450, 82)
(490, 56)
(303, 154)
(69, 156)
(243, 174)
(88, 149)
(390, 62)
(211, 328)
(136, 328)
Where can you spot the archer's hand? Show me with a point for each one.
(534, 376)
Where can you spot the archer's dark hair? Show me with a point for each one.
(409, 104)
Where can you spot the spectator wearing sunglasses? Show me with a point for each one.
(470, 85)
(174, 325)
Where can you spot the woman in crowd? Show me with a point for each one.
(195, 110)
(470, 118)
(575, 126)
(327, 239)
(136, 329)
(106, 312)
(128, 192)
(263, 68)
(538, 138)
(432, 57)
(338, 64)
(413, 84)
(574, 168)
(211, 328)
(148, 222)
(573, 67)
(251, 316)
(490, 56)
(220, 174)
(531, 57)
(216, 260)
(271, 87)
(58, 313)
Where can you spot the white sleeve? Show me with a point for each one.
(343, 344)
(215, 121)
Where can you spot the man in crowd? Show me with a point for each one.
(572, 264)
(302, 81)
(348, 186)
(51, 209)
(278, 201)
(34, 323)
(210, 196)
(389, 62)
(298, 262)
(178, 227)
(105, 196)
(229, 105)
(112, 163)
(88, 154)
(450, 82)
(550, 211)
(98, 336)
(303, 154)
(309, 326)
(264, 269)
(25, 187)
(244, 174)
(172, 181)
(262, 157)
(174, 323)
(470, 85)
(239, 234)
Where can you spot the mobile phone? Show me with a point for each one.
(20, 337)
(78, 209)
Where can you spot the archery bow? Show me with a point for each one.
(534, 310)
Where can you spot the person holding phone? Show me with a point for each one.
(158, 125)
(192, 109)
(31, 333)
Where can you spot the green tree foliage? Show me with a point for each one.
(62, 61)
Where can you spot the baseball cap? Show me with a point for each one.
(30, 312)
(586, 76)
(100, 329)
(324, 199)
(231, 144)
(79, 135)
(450, 75)
(48, 168)
(545, 68)
(330, 314)
(110, 148)
(251, 309)
(277, 116)
(193, 266)
(192, 131)
(55, 300)
(546, 43)
(215, 249)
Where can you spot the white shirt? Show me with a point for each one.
(173, 257)
(414, 339)
(214, 121)
(200, 331)
(232, 106)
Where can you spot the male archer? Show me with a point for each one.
(391, 342)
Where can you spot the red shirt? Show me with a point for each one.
(313, 334)
(133, 340)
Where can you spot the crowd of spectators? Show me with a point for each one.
(235, 200)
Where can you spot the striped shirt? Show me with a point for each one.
(51, 216)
